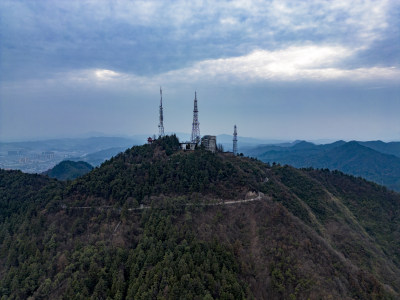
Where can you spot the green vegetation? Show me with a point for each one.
(142, 172)
(68, 170)
(376, 208)
(314, 234)
(170, 262)
(52, 255)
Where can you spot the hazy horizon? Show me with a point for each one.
(185, 136)
(287, 70)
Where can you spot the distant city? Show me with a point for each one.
(39, 156)
(31, 162)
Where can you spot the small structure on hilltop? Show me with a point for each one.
(209, 142)
(188, 146)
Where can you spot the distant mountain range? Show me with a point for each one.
(98, 157)
(375, 160)
(84, 145)
(245, 142)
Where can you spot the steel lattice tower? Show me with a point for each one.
(161, 124)
(196, 123)
(235, 150)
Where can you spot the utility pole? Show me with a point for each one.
(161, 124)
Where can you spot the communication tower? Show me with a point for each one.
(161, 124)
(235, 150)
(195, 124)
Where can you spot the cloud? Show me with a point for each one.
(106, 74)
(315, 63)
(96, 55)
(362, 20)
(312, 63)
(149, 37)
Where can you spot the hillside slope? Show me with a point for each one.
(68, 170)
(388, 148)
(310, 234)
(355, 158)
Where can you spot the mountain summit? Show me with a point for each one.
(68, 170)
(157, 222)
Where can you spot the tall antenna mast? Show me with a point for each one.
(235, 150)
(196, 123)
(161, 124)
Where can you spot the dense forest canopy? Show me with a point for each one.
(151, 223)
(69, 170)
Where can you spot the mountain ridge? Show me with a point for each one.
(352, 157)
(315, 234)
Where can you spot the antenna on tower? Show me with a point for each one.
(196, 123)
(161, 124)
(235, 150)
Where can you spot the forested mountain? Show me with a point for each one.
(157, 223)
(388, 148)
(68, 170)
(375, 161)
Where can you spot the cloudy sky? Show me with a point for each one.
(318, 69)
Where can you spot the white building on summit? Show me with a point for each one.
(209, 142)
